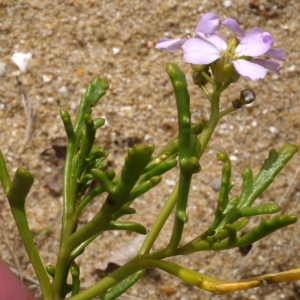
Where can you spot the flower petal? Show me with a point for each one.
(199, 52)
(268, 64)
(218, 42)
(249, 70)
(232, 25)
(254, 43)
(170, 45)
(276, 53)
(208, 24)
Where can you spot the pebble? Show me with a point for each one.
(21, 60)
(292, 68)
(216, 184)
(273, 129)
(64, 91)
(46, 78)
(115, 50)
(233, 158)
(227, 3)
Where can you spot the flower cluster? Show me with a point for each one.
(227, 56)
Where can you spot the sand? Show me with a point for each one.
(74, 41)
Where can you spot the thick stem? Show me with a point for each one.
(22, 224)
(109, 281)
(160, 221)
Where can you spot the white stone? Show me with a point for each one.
(46, 78)
(292, 68)
(21, 60)
(147, 137)
(254, 123)
(48, 170)
(227, 3)
(115, 50)
(64, 91)
(233, 158)
(273, 129)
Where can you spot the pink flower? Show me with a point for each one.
(206, 27)
(254, 43)
(275, 53)
(236, 55)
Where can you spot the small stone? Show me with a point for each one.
(80, 72)
(216, 184)
(115, 50)
(273, 129)
(254, 123)
(2, 69)
(167, 290)
(233, 158)
(21, 60)
(227, 3)
(46, 78)
(64, 91)
(292, 68)
(48, 170)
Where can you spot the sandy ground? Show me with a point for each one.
(72, 42)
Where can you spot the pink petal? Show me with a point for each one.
(249, 70)
(232, 25)
(276, 53)
(199, 52)
(268, 64)
(170, 45)
(218, 42)
(208, 24)
(254, 43)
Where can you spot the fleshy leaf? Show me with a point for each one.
(95, 90)
(271, 167)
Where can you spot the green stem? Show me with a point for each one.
(160, 221)
(188, 164)
(68, 202)
(111, 280)
(4, 176)
(16, 195)
(204, 139)
(213, 119)
(227, 111)
(22, 224)
(97, 224)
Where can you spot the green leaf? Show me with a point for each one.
(266, 227)
(135, 162)
(20, 187)
(271, 167)
(144, 187)
(123, 211)
(132, 226)
(266, 208)
(122, 286)
(162, 167)
(95, 90)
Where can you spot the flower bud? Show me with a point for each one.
(198, 78)
(246, 97)
(199, 68)
(224, 69)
